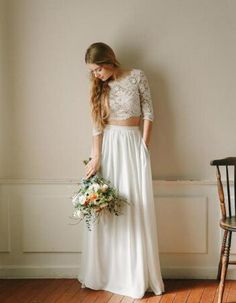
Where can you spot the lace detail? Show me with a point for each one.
(130, 97)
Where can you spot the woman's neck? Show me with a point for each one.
(120, 73)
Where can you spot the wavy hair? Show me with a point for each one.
(100, 53)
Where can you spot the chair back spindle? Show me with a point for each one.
(221, 192)
(228, 191)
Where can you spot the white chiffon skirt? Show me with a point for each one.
(120, 254)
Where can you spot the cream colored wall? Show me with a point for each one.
(5, 104)
(187, 49)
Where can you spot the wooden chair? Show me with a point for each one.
(228, 219)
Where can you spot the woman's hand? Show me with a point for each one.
(146, 143)
(147, 128)
(92, 167)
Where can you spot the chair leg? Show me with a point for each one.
(225, 261)
(221, 254)
(229, 244)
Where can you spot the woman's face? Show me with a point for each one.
(103, 72)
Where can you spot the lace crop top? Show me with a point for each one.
(129, 97)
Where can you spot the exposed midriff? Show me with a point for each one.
(133, 121)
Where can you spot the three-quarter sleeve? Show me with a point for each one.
(145, 97)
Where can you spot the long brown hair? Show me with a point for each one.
(100, 53)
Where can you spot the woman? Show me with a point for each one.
(120, 254)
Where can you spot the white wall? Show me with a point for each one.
(187, 49)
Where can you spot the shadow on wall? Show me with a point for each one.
(163, 148)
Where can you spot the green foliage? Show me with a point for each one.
(95, 196)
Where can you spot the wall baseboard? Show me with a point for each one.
(36, 272)
(65, 272)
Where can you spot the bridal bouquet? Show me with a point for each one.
(94, 197)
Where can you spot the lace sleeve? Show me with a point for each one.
(145, 97)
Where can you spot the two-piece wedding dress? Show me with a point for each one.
(121, 254)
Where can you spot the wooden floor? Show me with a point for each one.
(70, 291)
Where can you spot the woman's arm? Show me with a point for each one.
(96, 146)
(94, 164)
(146, 107)
(147, 129)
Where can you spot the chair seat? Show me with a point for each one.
(228, 223)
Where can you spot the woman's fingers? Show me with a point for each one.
(91, 169)
(89, 175)
(88, 166)
(90, 172)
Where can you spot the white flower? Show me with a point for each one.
(82, 199)
(95, 187)
(104, 187)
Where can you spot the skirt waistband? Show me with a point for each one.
(121, 127)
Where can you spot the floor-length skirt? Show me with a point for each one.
(120, 253)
